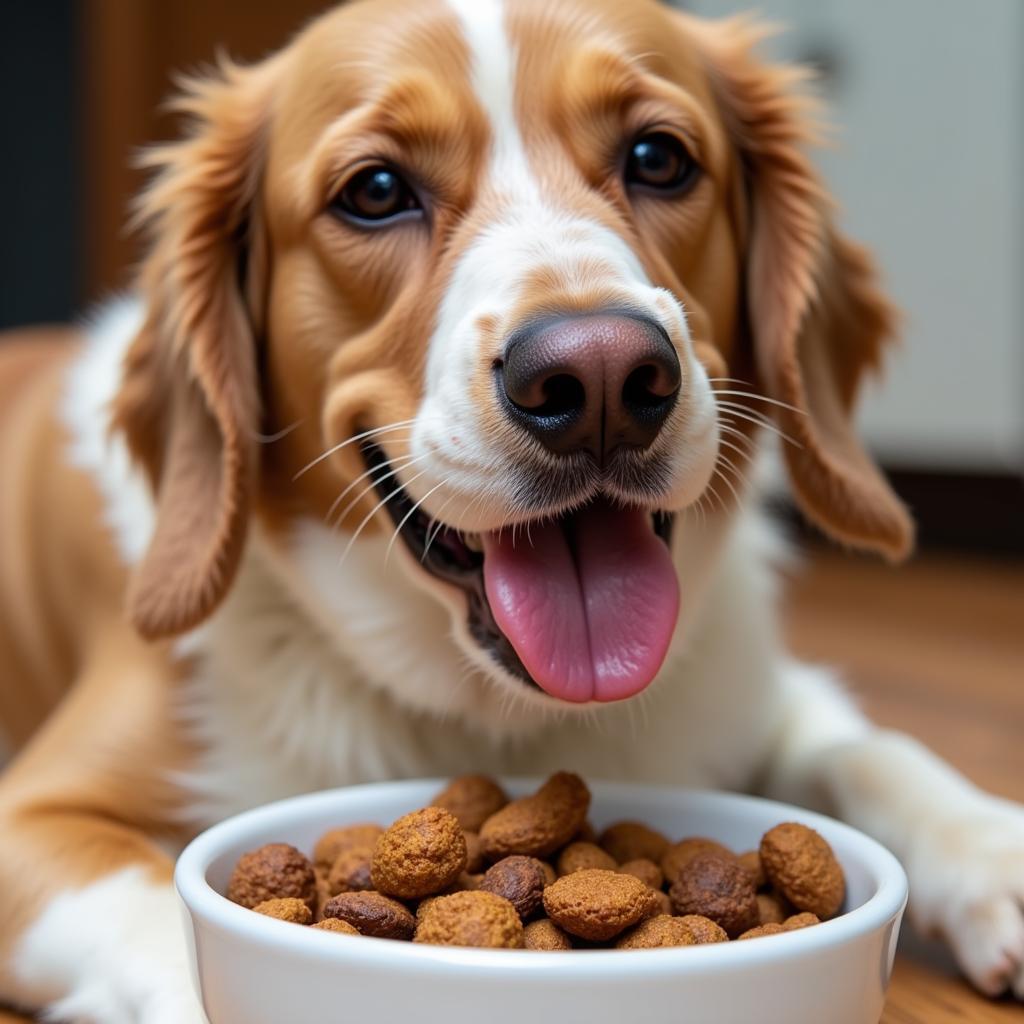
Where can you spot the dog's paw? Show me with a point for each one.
(967, 884)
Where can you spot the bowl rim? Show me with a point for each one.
(203, 902)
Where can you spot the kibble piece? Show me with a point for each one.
(797, 921)
(717, 887)
(678, 855)
(703, 929)
(550, 874)
(472, 799)
(579, 855)
(802, 866)
(331, 843)
(370, 913)
(335, 924)
(760, 931)
(292, 910)
(471, 919)
(662, 904)
(655, 933)
(770, 909)
(597, 905)
(520, 880)
(751, 862)
(475, 862)
(274, 871)
(631, 840)
(646, 870)
(537, 825)
(351, 871)
(420, 854)
(545, 935)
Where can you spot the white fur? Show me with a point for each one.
(113, 952)
(91, 386)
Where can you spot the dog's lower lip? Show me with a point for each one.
(457, 558)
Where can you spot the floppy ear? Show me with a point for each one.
(817, 316)
(189, 401)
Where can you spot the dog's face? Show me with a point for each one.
(514, 282)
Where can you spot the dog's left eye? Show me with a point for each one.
(660, 161)
(374, 195)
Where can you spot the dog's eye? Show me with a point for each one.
(375, 194)
(660, 161)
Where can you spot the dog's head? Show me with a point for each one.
(515, 283)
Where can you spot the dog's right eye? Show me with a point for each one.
(376, 195)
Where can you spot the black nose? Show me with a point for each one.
(590, 383)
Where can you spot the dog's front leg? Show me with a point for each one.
(90, 928)
(963, 849)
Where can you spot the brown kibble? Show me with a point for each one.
(751, 863)
(646, 870)
(715, 886)
(479, 919)
(550, 874)
(370, 913)
(291, 910)
(597, 905)
(655, 933)
(770, 909)
(798, 921)
(545, 935)
(580, 855)
(630, 840)
(472, 799)
(801, 865)
(760, 931)
(662, 904)
(335, 924)
(420, 854)
(332, 843)
(520, 880)
(703, 929)
(475, 862)
(274, 871)
(537, 825)
(351, 871)
(678, 855)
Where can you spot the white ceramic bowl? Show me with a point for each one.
(251, 969)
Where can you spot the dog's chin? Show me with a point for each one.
(452, 562)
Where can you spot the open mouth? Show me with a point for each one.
(582, 606)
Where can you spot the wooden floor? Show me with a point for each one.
(935, 648)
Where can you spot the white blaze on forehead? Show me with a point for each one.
(494, 79)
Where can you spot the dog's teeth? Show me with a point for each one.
(473, 542)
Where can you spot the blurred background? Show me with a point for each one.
(928, 168)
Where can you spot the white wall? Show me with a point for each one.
(928, 96)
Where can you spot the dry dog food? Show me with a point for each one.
(475, 869)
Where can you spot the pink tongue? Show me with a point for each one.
(592, 621)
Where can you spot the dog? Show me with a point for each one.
(426, 445)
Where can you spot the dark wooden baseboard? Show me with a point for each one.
(972, 513)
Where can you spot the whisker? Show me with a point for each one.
(733, 411)
(408, 515)
(262, 438)
(763, 398)
(728, 483)
(369, 515)
(438, 527)
(408, 461)
(344, 444)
